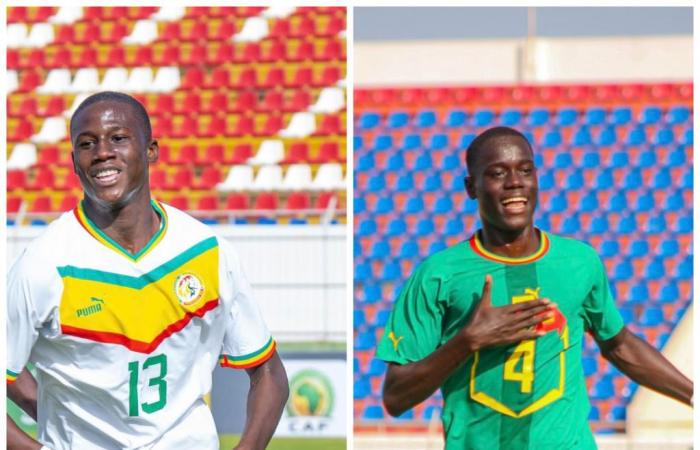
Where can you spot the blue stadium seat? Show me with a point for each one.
(636, 136)
(382, 317)
(627, 225)
(470, 206)
(414, 205)
(650, 115)
(558, 203)
(685, 268)
(358, 318)
(590, 365)
(453, 227)
(575, 180)
(439, 141)
(529, 136)
(627, 314)
(655, 270)
(355, 365)
(483, 117)
(368, 120)
(363, 272)
(595, 116)
(391, 271)
(542, 221)
(546, 180)
(373, 412)
(619, 159)
(633, 180)
(638, 294)
(412, 142)
(582, 137)
(669, 247)
(664, 136)
(365, 340)
(371, 293)
(384, 205)
(563, 160)
(687, 181)
(397, 227)
(409, 249)
(511, 117)
(426, 119)
(538, 117)
(423, 162)
(687, 137)
(451, 162)
(406, 416)
(677, 157)
(655, 225)
(465, 140)
(397, 119)
(669, 293)
(617, 414)
(395, 162)
(647, 159)
(594, 414)
(618, 202)
(432, 183)
(621, 115)
(639, 248)
(566, 117)
(432, 412)
(677, 115)
(539, 160)
(357, 142)
(405, 183)
(361, 389)
(425, 227)
(443, 205)
(383, 142)
(603, 389)
(623, 271)
(455, 118)
(365, 162)
(380, 249)
(645, 202)
(437, 246)
(651, 316)
(551, 139)
(589, 203)
(457, 184)
(376, 367)
(605, 179)
(367, 227)
(675, 201)
(356, 248)
(376, 183)
(609, 247)
(662, 179)
(607, 136)
(267, 221)
(571, 225)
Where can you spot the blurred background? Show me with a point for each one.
(605, 96)
(248, 106)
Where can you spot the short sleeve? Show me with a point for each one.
(31, 290)
(600, 314)
(414, 328)
(247, 341)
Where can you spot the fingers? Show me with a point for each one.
(486, 292)
(540, 304)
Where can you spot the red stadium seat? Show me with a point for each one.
(271, 126)
(88, 35)
(170, 32)
(158, 179)
(190, 104)
(329, 76)
(209, 179)
(272, 102)
(333, 27)
(16, 179)
(237, 202)
(332, 50)
(187, 155)
(182, 179)
(70, 182)
(208, 203)
(88, 57)
(303, 77)
(115, 33)
(193, 79)
(34, 58)
(240, 155)
(162, 127)
(280, 29)
(215, 127)
(217, 103)
(275, 51)
(245, 126)
(330, 126)
(246, 101)
(48, 157)
(17, 14)
(68, 202)
(328, 153)
(165, 104)
(219, 78)
(300, 101)
(41, 204)
(304, 51)
(142, 57)
(196, 56)
(213, 155)
(64, 35)
(54, 107)
(298, 153)
(12, 59)
(247, 79)
(303, 27)
(180, 202)
(27, 108)
(23, 131)
(223, 32)
(224, 53)
(298, 200)
(115, 57)
(169, 57)
(266, 201)
(13, 204)
(274, 78)
(249, 55)
(324, 198)
(198, 32)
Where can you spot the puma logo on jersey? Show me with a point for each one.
(92, 309)
(530, 294)
(394, 340)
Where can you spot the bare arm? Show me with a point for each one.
(407, 385)
(646, 366)
(268, 394)
(23, 393)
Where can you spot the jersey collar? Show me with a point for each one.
(107, 241)
(480, 250)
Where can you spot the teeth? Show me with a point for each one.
(513, 200)
(106, 173)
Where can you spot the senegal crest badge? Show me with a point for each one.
(188, 288)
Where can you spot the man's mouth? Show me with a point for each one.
(106, 177)
(514, 204)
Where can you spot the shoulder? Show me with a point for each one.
(572, 248)
(42, 252)
(441, 264)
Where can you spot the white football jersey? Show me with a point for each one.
(124, 345)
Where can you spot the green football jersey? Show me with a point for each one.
(531, 395)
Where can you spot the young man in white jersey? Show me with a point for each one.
(125, 306)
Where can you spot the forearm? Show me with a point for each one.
(407, 385)
(266, 399)
(24, 392)
(648, 367)
(18, 439)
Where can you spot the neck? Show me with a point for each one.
(512, 244)
(131, 226)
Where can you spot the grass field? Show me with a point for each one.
(227, 441)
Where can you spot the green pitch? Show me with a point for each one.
(227, 441)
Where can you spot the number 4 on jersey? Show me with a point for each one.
(525, 352)
(158, 381)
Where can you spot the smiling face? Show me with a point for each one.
(111, 153)
(503, 179)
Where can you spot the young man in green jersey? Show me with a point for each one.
(497, 321)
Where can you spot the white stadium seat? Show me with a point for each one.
(53, 129)
(268, 178)
(58, 81)
(16, 35)
(278, 11)
(80, 98)
(67, 14)
(328, 178)
(85, 80)
(254, 30)
(115, 79)
(167, 79)
(12, 81)
(302, 124)
(144, 32)
(40, 35)
(269, 152)
(169, 13)
(297, 178)
(23, 156)
(140, 80)
(331, 100)
(239, 178)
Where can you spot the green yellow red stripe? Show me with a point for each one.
(251, 359)
(107, 241)
(479, 249)
(11, 376)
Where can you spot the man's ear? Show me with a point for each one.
(152, 151)
(469, 187)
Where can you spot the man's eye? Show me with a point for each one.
(119, 138)
(85, 144)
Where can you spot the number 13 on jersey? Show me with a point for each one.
(156, 382)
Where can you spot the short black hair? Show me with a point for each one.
(480, 142)
(116, 97)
